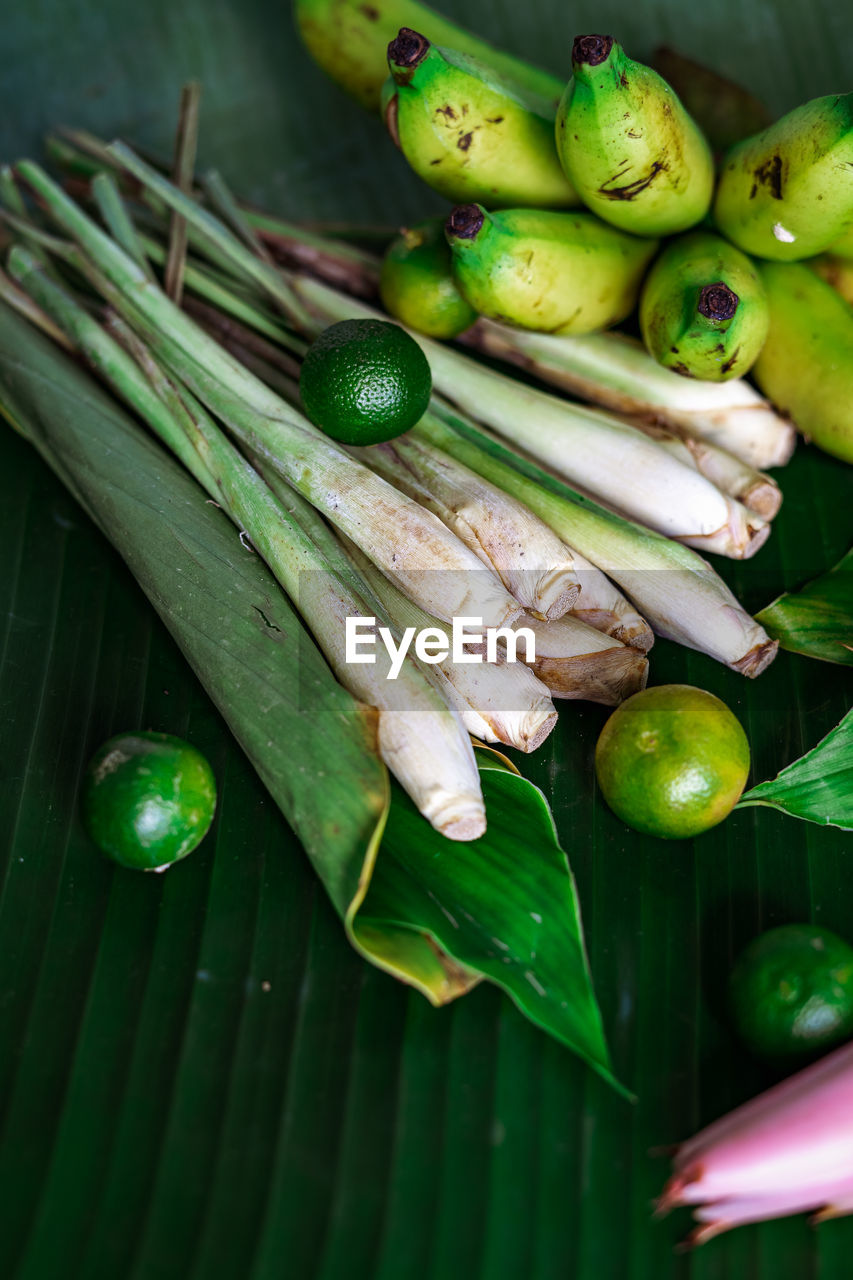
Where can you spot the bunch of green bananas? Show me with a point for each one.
(516, 151)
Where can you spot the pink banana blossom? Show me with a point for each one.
(790, 1150)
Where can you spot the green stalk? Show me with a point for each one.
(497, 702)
(420, 737)
(186, 145)
(533, 564)
(393, 531)
(617, 372)
(676, 590)
(575, 661)
(593, 450)
(200, 281)
(113, 210)
(244, 260)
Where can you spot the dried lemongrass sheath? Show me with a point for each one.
(576, 661)
(394, 532)
(498, 702)
(531, 561)
(680, 594)
(755, 490)
(617, 372)
(420, 737)
(614, 463)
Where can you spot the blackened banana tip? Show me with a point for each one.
(591, 50)
(465, 221)
(717, 301)
(408, 48)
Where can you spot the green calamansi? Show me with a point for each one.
(703, 309)
(537, 269)
(348, 39)
(417, 284)
(806, 363)
(791, 992)
(626, 143)
(787, 193)
(148, 799)
(468, 132)
(365, 381)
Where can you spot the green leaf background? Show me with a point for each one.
(198, 1076)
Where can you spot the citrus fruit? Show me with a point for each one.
(365, 381)
(672, 761)
(416, 283)
(791, 991)
(148, 799)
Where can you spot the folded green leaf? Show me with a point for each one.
(505, 905)
(440, 915)
(819, 786)
(818, 620)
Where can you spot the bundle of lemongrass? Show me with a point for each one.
(362, 533)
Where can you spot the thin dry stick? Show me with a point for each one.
(186, 144)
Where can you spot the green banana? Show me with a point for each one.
(787, 193)
(417, 286)
(555, 272)
(806, 364)
(469, 133)
(836, 271)
(348, 39)
(703, 310)
(843, 246)
(625, 141)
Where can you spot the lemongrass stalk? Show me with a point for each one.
(498, 702)
(603, 607)
(678, 592)
(202, 282)
(787, 1151)
(321, 250)
(590, 449)
(600, 605)
(214, 232)
(419, 737)
(396, 533)
(29, 309)
(341, 264)
(617, 372)
(575, 661)
(757, 491)
(533, 564)
(117, 220)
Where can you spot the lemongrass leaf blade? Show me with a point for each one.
(818, 787)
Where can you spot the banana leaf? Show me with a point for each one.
(437, 914)
(817, 620)
(199, 1077)
(818, 786)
